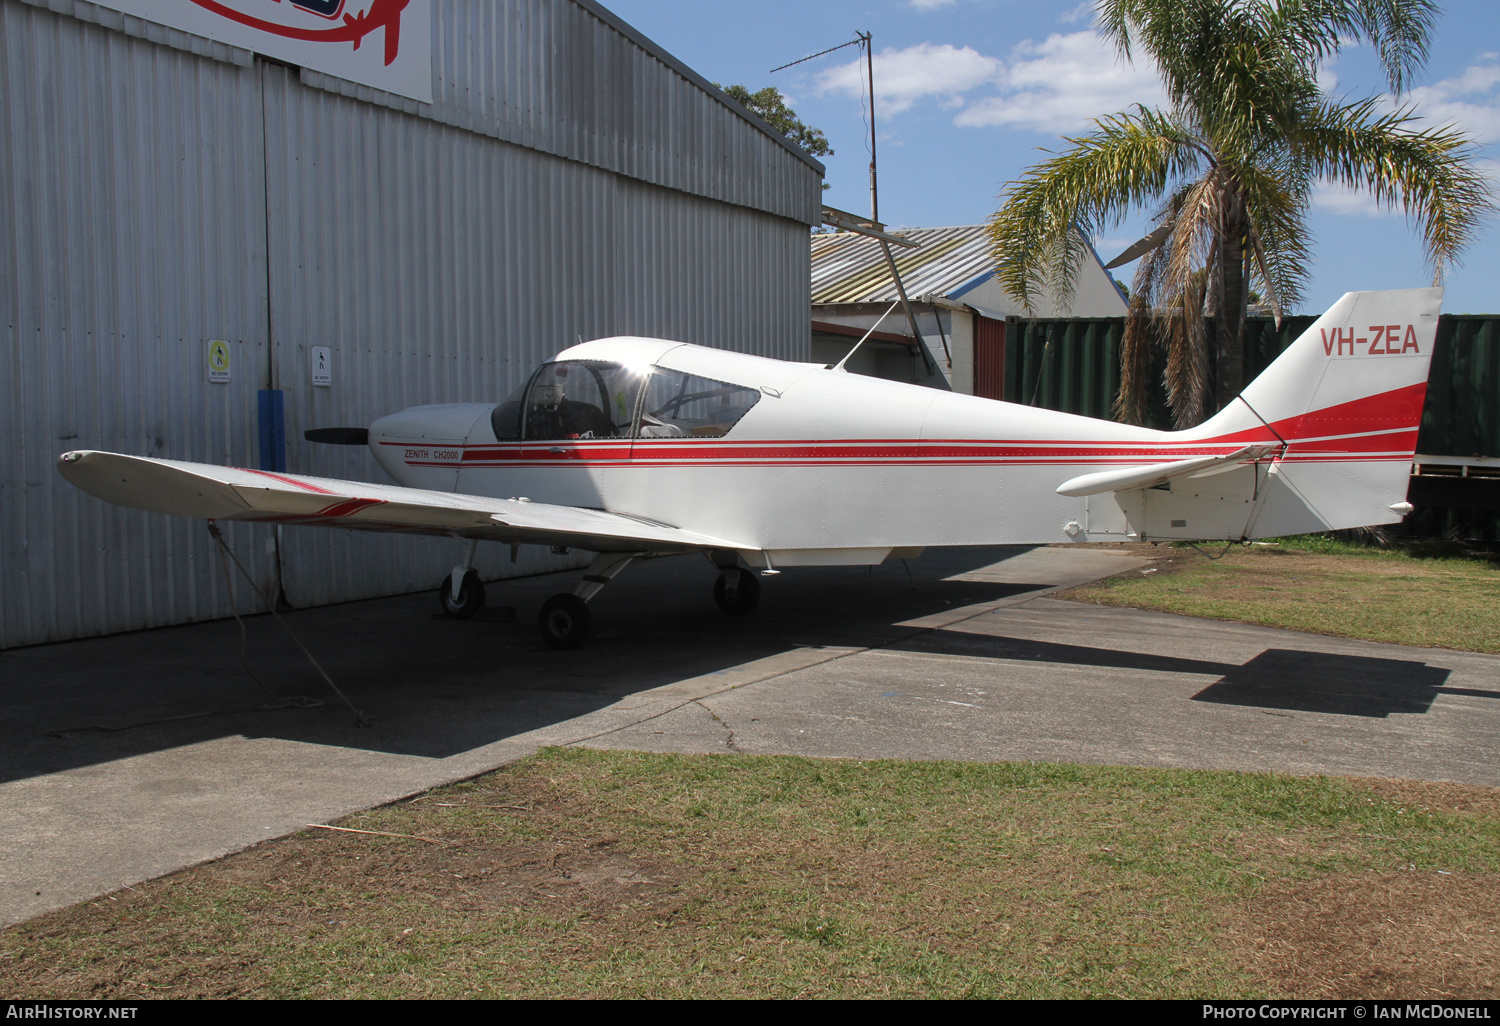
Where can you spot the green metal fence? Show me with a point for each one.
(1073, 364)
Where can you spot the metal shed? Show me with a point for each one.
(959, 305)
(162, 191)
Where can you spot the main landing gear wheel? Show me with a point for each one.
(746, 593)
(565, 621)
(470, 596)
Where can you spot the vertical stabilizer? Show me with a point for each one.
(1344, 402)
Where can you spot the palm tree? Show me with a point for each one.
(1229, 166)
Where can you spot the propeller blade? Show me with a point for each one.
(338, 436)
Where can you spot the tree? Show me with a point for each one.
(771, 107)
(1230, 166)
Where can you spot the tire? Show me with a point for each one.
(746, 593)
(565, 621)
(470, 596)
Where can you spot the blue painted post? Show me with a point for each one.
(272, 431)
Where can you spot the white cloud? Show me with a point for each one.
(902, 77)
(1055, 86)
(1348, 202)
(1470, 100)
(1082, 11)
(1062, 83)
(931, 5)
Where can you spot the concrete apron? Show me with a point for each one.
(128, 757)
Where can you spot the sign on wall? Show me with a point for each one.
(386, 44)
(321, 365)
(218, 361)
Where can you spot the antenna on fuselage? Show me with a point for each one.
(840, 364)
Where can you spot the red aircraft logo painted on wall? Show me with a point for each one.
(380, 14)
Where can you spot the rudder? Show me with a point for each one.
(1345, 402)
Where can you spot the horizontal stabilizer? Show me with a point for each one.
(1159, 473)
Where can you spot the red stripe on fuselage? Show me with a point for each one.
(1379, 424)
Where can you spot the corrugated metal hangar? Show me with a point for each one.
(208, 245)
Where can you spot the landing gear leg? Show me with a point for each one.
(565, 620)
(462, 593)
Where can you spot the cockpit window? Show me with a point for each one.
(680, 404)
(582, 399)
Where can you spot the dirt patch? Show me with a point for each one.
(1408, 936)
(1434, 796)
(635, 875)
(210, 931)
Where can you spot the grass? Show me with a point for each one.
(1433, 597)
(620, 874)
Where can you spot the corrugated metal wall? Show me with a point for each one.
(154, 199)
(1073, 365)
(1462, 413)
(124, 244)
(567, 77)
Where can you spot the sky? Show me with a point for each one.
(970, 93)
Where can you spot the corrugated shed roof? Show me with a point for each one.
(849, 268)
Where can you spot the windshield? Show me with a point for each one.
(582, 399)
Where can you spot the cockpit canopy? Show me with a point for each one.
(579, 399)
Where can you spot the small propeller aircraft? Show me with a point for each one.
(636, 447)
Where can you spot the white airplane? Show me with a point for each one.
(637, 447)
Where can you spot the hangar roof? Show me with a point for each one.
(850, 268)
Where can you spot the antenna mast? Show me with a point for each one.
(870, 66)
(861, 40)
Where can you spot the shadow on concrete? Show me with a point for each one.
(434, 687)
(1288, 679)
(1321, 682)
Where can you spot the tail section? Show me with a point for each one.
(1343, 404)
(1322, 440)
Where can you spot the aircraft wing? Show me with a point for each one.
(1151, 475)
(232, 493)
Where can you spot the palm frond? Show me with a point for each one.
(1188, 280)
(1246, 135)
(1398, 29)
(1308, 31)
(1429, 173)
(1039, 234)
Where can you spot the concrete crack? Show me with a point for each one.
(728, 741)
(906, 634)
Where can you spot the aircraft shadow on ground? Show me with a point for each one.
(1287, 679)
(435, 688)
